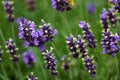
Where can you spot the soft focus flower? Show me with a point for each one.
(91, 8)
(88, 35)
(66, 63)
(8, 5)
(114, 1)
(1, 52)
(31, 4)
(32, 77)
(51, 62)
(62, 5)
(10, 45)
(29, 58)
(71, 41)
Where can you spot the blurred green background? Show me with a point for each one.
(66, 23)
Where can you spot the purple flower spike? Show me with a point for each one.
(88, 35)
(48, 32)
(62, 5)
(27, 32)
(104, 19)
(81, 46)
(12, 49)
(1, 52)
(51, 62)
(32, 77)
(112, 17)
(29, 58)
(71, 41)
(88, 62)
(9, 9)
(91, 8)
(110, 43)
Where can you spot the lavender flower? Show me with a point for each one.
(88, 34)
(88, 62)
(71, 41)
(27, 32)
(1, 52)
(31, 4)
(32, 77)
(29, 58)
(62, 5)
(48, 32)
(81, 46)
(104, 19)
(112, 17)
(51, 62)
(91, 8)
(114, 1)
(9, 9)
(110, 43)
(12, 49)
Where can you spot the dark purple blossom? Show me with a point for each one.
(10, 45)
(112, 17)
(9, 9)
(27, 32)
(104, 19)
(90, 67)
(81, 46)
(110, 43)
(48, 32)
(51, 62)
(91, 8)
(88, 35)
(62, 5)
(31, 4)
(1, 52)
(32, 77)
(71, 41)
(29, 58)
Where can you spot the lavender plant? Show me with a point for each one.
(8, 5)
(10, 45)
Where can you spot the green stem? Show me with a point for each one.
(56, 50)
(117, 68)
(13, 31)
(44, 74)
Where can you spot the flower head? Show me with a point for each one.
(71, 41)
(51, 62)
(9, 9)
(91, 8)
(29, 58)
(32, 77)
(27, 32)
(88, 35)
(10, 45)
(90, 67)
